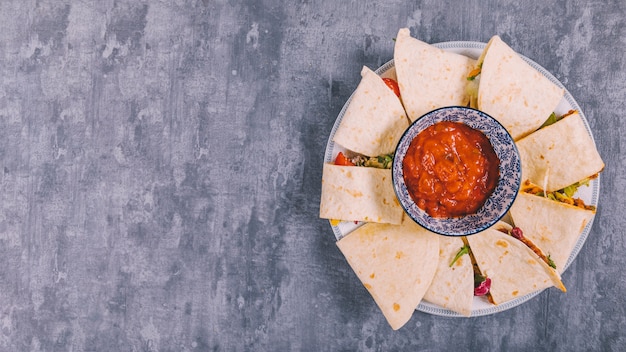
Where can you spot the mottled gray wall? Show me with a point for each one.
(161, 166)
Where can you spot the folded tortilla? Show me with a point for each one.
(396, 263)
(375, 119)
(429, 78)
(357, 193)
(452, 286)
(514, 269)
(559, 155)
(551, 225)
(513, 92)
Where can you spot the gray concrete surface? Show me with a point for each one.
(161, 166)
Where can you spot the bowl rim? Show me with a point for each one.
(459, 226)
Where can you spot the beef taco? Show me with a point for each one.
(552, 224)
(395, 263)
(357, 193)
(453, 284)
(514, 269)
(513, 92)
(374, 120)
(429, 77)
(560, 154)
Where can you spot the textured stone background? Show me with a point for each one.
(161, 166)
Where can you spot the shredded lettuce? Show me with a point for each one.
(552, 119)
(471, 89)
(551, 262)
(572, 189)
(565, 195)
(460, 253)
(381, 161)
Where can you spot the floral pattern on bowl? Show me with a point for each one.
(496, 206)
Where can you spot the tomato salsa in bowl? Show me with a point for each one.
(456, 171)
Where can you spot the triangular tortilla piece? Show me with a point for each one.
(513, 92)
(429, 78)
(395, 263)
(552, 226)
(375, 119)
(452, 286)
(563, 153)
(514, 269)
(357, 193)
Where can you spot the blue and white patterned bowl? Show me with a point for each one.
(502, 197)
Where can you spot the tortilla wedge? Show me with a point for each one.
(551, 225)
(452, 286)
(358, 193)
(514, 269)
(396, 264)
(375, 119)
(559, 155)
(513, 92)
(429, 77)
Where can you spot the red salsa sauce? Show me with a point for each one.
(450, 169)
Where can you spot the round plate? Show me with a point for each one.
(589, 195)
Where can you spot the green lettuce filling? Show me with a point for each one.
(566, 195)
(460, 253)
(552, 119)
(381, 161)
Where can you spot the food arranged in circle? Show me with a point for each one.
(405, 266)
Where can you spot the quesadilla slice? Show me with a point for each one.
(357, 193)
(514, 269)
(395, 263)
(453, 284)
(375, 119)
(560, 154)
(552, 225)
(429, 78)
(513, 92)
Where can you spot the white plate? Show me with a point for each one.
(589, 194)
